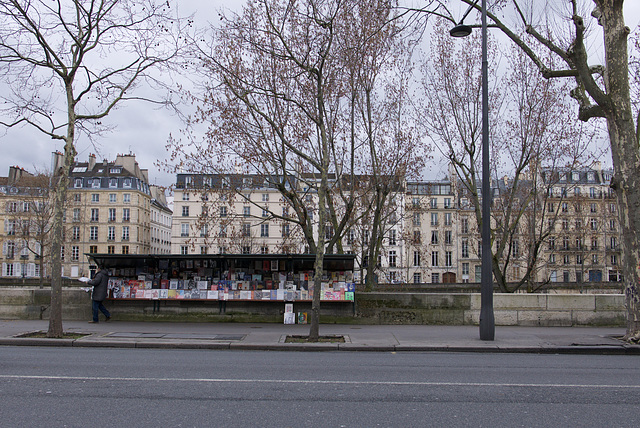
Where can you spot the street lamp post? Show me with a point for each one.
(487, 321)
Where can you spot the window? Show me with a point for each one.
(417, 237)
(447, 202)
(95, 214)
(112, 214)
(578, 224)
(246, 249)
(246, 211)
(465, 269)
(125, 249)
(594, 243)
(112, 198)
(95, 183)
(612, 225)
(614, 259)
(434, 237)
(415, 202)
(392, 237)
(111, 233)
(264, 250)
(264, 230)
(417, 278)
(111, 249)
(75, 233)
(125, 233)
(285, 230)
(614, 242)
(93, 249)
(565, 207)
(113, 182)
(552, 258)
(448, 258)
(127, 184)
(265, 197)
(93, 233)
(552, 243)
(579, 243)
(75, 253)
(392, 259)
(579, 259)
(433, 203)
(515, 248)
(77, 183)
(464, 225)
(416, 219)
(246, 229)
(223, 231)
(447, 219)
(223, 211)
(594, 259)
(447, 237)
(77, 197)
(435, 278)
(62, 252)
(265, 213)
(203, 249)
(416, 258)
(594, 224)
(126, 198)
(565, 243)
(566, 259)
(612, 208)
(184, 230)
(434, 259)
(126, 214)
(185, 211)
(185, 196)
(434, 219)
(565, 224)
(464, 250)
(76, 214)
(593, 208)
(565, 276)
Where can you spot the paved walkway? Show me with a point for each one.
(385, 338)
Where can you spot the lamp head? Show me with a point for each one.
(460, 30)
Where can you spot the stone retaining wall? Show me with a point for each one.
(370, 308)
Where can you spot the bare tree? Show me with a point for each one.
(531, 128)
(285, 101)
(87, 56)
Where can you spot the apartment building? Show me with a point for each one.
(584, 243)
(24, 214)
(223, 214)
(160, 223)
(431, 233)
(109, 211)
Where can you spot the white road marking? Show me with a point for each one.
(318, 382)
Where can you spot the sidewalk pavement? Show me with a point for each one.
(381, 338)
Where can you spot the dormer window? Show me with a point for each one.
(115, 170)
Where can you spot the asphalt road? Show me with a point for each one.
(76, 387)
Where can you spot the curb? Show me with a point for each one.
(623, 349)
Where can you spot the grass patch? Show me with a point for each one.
(43, 335)
(321, 339)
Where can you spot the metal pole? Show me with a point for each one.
(487, 323)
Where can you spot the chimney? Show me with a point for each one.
(56, 162)
(15, 173)
(92, 161)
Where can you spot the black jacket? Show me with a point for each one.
(100, 284)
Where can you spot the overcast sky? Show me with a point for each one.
(139, 128)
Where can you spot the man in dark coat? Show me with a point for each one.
(100, 284)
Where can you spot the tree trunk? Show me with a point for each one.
(55, 309)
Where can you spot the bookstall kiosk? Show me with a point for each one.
(227, 278)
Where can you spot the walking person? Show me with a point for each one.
(100, 283)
